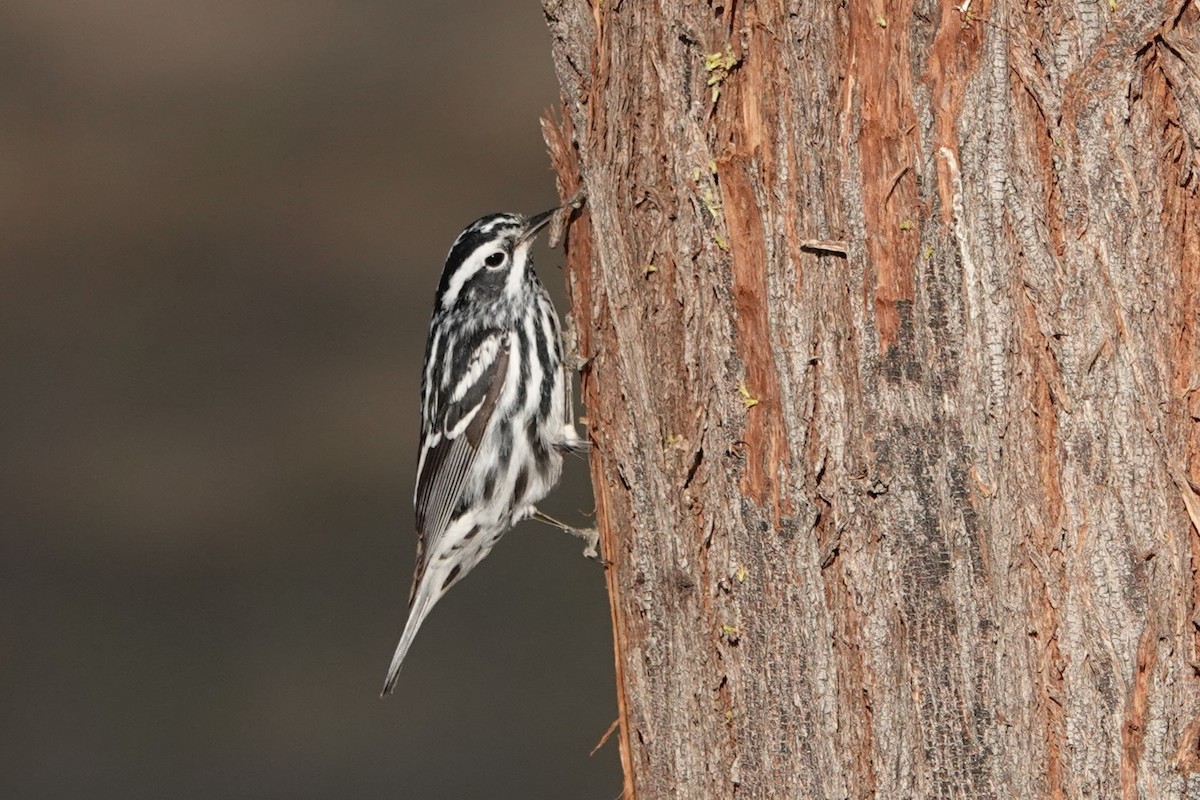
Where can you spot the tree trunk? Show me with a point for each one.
(894, 387)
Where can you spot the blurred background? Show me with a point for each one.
(221, 226)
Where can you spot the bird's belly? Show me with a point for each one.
(500, 489)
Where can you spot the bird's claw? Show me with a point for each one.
(591, 537)
(592, 551)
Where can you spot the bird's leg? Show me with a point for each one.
(575, 445)
(590, 536)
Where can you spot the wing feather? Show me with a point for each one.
(449, 449)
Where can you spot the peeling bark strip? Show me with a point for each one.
(765, 435)
(880, 86)
(914, 512)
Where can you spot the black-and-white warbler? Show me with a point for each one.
(496, 411)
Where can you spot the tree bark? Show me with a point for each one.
(891, 312)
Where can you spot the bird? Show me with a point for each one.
(496, 410)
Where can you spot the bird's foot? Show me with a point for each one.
(590, 536)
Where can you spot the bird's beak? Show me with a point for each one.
(539, 221)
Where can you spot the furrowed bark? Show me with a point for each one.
(891, 311)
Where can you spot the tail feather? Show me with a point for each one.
(425, 596)
(434, 577)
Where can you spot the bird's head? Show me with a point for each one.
(490, 259)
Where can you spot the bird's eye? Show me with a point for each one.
(495, 259)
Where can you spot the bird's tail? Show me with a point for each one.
(428, 591)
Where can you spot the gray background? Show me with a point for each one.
(221, 225)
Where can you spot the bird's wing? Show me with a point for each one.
(460, 417)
